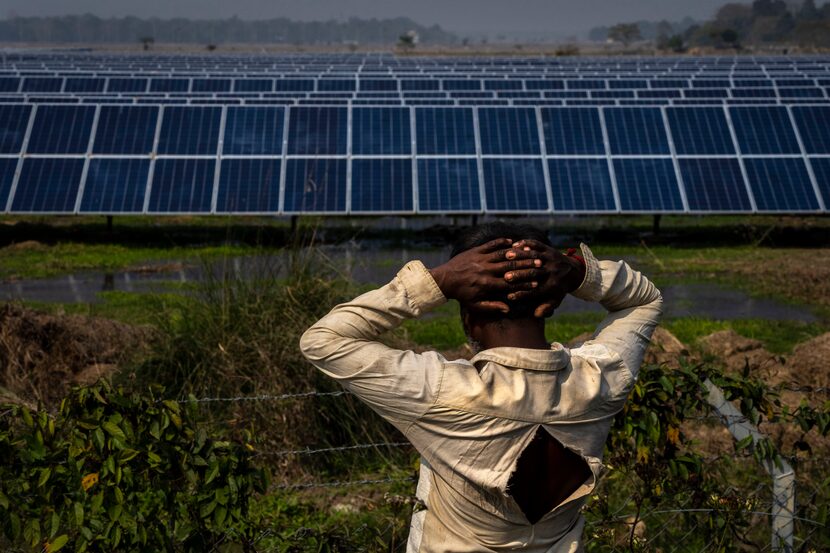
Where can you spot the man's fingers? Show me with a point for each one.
(515, 265)
(513, 253)
(522, 294)
(521, 275)
(544, 310)
(532, 244)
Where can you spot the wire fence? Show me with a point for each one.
(617, 518)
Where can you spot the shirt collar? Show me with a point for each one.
(553, 359)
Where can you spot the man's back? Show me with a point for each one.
(471, 421)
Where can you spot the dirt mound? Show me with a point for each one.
(810, 362)
(737, 353)
(41, 355)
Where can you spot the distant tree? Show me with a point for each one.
(769, 8)
(664, 28)
(625, 33)
(210, 47)
(808, 11)
(408, 40)
(146, 42)
(731, 38)
(734, 16)
(676, 44)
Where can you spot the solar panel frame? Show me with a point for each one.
(99, 191)
(791, 171)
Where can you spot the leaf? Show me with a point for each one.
(78, 510)
(212, 472)
(89, 480)
(219, 515)
(127, 454)
(54, 525)
(44, 477)
(153, 457)
(114, 430)
(56, 545)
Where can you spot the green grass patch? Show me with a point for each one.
(776, 336)
(41, 260)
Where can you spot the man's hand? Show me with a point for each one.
(559, 275)
(476, 277)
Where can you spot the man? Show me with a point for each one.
(511, 441)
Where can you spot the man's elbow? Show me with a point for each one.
(313, 344)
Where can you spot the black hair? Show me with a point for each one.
(478, 235)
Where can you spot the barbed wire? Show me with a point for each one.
(280, 397)
(806, 389)
(309, 451)
(340, 483)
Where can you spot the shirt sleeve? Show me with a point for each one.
(400, 385)
(634, 306)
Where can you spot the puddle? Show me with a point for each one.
(379, 266)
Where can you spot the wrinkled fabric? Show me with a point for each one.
(471, 420)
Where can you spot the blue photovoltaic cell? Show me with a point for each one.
(821, 170)
(189, 130)
(84, 85)
(700, 131)
(9, 84)
(647, 185)
(515, 185)
(253, 131)
(764, 130)
(42, 84)
(334, 85)
(448, 185)
(447, 131)
(508, 131)
(249, 185)
(48, 185)
(714, 184)
(293, 85)
(315, 185)
(317, 131)
(379, 84)
(781, 184)
(253, 85)
(61, 130)
(636, 131)
(381, 185)
(182, 186)
(126, 130)
(572, 131)
(380, 131)
(8, 166)
(127, 85)
(115, 186)
(211, 85)
(462, 84)
(814, 126)
(416, 84)
(169, 85)
(14, 118)
(581, 185)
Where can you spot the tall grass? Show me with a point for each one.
(237, 335)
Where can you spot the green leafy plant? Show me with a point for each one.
(113, 471)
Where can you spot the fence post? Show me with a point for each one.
(783, 477)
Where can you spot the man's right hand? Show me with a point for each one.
(559, 275)
(476, 277)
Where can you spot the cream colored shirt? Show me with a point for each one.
(471, 420)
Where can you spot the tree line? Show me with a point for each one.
(735, 25)
(91, 29)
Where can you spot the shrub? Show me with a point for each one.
(114, 472)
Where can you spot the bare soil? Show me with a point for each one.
(42, 355)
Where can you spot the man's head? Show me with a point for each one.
(480, 327)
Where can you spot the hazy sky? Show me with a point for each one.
(554, 16)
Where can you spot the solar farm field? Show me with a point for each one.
(152, 394)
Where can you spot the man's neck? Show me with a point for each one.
(518, 333)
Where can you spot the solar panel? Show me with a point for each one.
(445, 131)
(9, 84)
(253, 85)
(381, 131)
(714, 184)
(115, 186)
(813, 124)
(253, 131)
(333, 85)
(764, 130)
(318, 131)
(48, 185)
(169, 85)
(780, 184)
(448, 185)
(127, 85)
(515, 185)
(14, 119)
(572, 131)
(700, 131)
(315, 185)
(581, 185)
(381, 185)
(182, 186)
(61, 130)
(8, 167)
(821, 170)
(249, 185)
(211, 85)
(636, 131)
(126, 130)
(189, 130)
(84, 85)
(647, 185)
(508, 131)
(42, 84)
